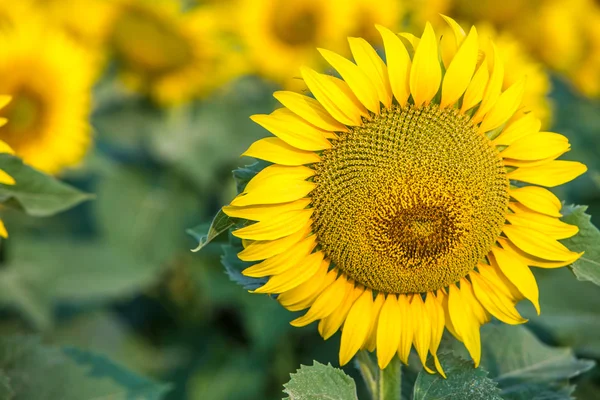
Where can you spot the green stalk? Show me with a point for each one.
(382, 384)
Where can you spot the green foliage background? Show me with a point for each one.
(107, 299)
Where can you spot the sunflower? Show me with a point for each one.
(49, 79)
(396, 203)
(365, 14)
(288, 32)
(170, 55)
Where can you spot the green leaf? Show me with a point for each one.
(234, 267)
(587, 267)
(205, 234)
(318, 382)
(6, 392)
(35, 371)
(36, 193)
(540, 392)
(463, 382)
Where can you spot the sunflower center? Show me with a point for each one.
(25, 114)
(295, 27)
(149, 44)
(410, 201)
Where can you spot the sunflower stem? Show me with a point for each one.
(383, 384)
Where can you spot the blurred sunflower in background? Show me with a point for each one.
(49, 78)
(279, 35)
(171, 55)
(396, 203)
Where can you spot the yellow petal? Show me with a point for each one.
(265, 211)
(504, 108)
(6, 179)
(5, 148)
(357, 80)
(373, 66)
(310, 110)
(537, 244)
(330, 324)
(389, 329)
(283, 224)
(551, 174)
(293, 277)
(303, 295)
(457, 30)
(371, 342)
(494, 301)
(443, 296)
(326, 303)
(425, 72)
(494, 85)
(398, 64)
(406, 330)
(538, 199)
(261, 250)
(277, 151)
(293, 130)
(284, 261)
(551, 226)
(537, 146)
(433, 306)
(476, 88)
(517, 129)
(460, 71)
(276, 184)
(3, 231)
(519, 274)
(464, 321)
(337, 103)
(532, 260)
(356, 326)
(422, 329)
(4, 100)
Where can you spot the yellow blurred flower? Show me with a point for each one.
(5, 178)
(281, 35)
(367, 13)
(170, 55)
(49, 79)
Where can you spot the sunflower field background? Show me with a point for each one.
(122, 121)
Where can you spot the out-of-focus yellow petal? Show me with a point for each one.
(6, 179)
(504, 108)
(538, 199)
(3, 231)
(310, 110)
(355, 329)
(551, 174)
(293, 277)
(425, 72)
(277, 151)
(537, 244)
(373, 66)
(460, 71)
(519, 274)
(398, 64)
(389, 329)
(326, 303)
(5, 148)
(284, 261)
(406, 330)
(261, 250)
(336, 101)
(357, 80)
